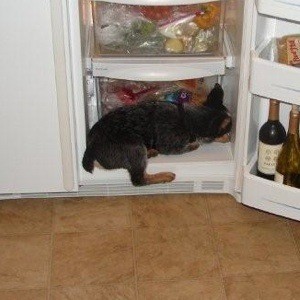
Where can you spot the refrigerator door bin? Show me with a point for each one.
(269, 195)
(139, 28)
(270, 79)
(285, 9)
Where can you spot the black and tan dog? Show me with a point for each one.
(127, 136)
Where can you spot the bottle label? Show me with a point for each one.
(279, 177)
(267, 158)
(293, 50)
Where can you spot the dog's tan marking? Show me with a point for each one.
(162, 177)
(223, 139)
(225, 123)
(97, 165)
(193, 146)
(152, 153)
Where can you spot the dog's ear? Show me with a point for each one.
(215, 98)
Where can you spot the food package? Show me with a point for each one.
(288, 48)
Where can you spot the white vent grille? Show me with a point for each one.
(212, 185)
(128, 189)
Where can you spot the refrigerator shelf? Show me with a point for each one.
(268, 195)
(158, 69)
(284, 9)
(210, 162)
(270, 79)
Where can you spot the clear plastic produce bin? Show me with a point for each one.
(113, 93)
(139, 30)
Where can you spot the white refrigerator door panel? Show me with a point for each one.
(273, 80)
(286, 9)
(30, 158)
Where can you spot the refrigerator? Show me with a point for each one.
(242, 59)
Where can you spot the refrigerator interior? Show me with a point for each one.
(269, 80)
(211, 168)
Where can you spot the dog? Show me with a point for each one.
(127, 136)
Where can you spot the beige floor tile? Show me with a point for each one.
(23, 295)
(92, 258)
(225, 209)
(170, 253)
(24, 261)
(256, 247)
(207, 287)
(295, 228)
(85, 214)
(25, 216)
(170, 210)
(108, 292)
(240, 288)
(282, 286)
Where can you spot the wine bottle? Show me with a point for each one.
(288, 164)
(271, 137)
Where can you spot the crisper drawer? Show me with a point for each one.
(270, 79)
(139, 28)
(113, 93)
(269, 195)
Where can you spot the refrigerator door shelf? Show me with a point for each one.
(158, 69)
(157, 2)
(270, 79)
(269, 195)
(284, 9)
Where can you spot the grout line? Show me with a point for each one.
(290, 230)
(134, 256)
(216, 247)
(50, 266)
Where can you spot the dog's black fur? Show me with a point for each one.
(121, 138)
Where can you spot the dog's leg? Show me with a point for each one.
(152, 153)
(191, 146)
(137, 170)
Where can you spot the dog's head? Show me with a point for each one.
(220, 122)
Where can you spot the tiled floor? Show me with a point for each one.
(150, 247)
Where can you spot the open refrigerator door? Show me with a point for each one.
(269, 79)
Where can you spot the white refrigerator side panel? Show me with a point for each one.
(30, 152)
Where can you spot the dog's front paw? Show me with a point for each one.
(168, 176)
(162, 177)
